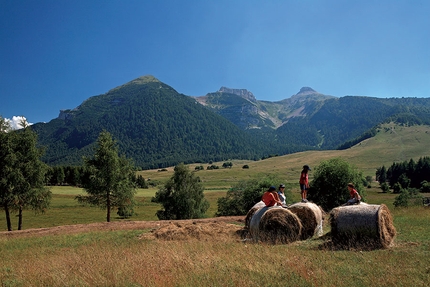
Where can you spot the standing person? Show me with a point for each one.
(304, 182)
(353, 194)
(281, 194)
(270, 197)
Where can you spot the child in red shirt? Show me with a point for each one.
(353, 194)
(304, 182)
(270, 197)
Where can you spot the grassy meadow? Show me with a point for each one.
(125, 258)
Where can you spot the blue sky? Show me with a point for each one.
(55, 54)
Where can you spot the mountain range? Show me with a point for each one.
(157, 127)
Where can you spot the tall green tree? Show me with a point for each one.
(329, 185)
(182, 196)
(7, 162)
(22, 173)
(108, 181)
(32, 192)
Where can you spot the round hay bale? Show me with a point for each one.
(279, 226)
(362, 226)
(249, 215)
(259, 204)
(255, 222)
(311, 217)
(252, 211)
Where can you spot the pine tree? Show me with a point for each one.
(108, 180)
(22, 173)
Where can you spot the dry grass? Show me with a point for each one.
(138, 258)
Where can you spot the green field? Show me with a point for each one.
(123, 258)
(392, 143)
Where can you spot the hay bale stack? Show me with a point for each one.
(275, 225)
(362, 226)
(311, 217)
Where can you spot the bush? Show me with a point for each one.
(182, 196)
(242, 197)
(407, 197)
(385, 187)
(125, 211)
(329, 186)
(425, 187)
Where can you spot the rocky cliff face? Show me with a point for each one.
(242, 108)
(239, 92)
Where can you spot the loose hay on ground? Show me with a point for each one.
(198, 231)
(311, 218)
(362, 226)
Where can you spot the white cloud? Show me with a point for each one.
(15, 122)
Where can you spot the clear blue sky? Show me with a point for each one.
(55, 54)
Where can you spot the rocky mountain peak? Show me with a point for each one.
(306, 90)
(244, 93)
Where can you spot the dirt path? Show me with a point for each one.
(118, 225)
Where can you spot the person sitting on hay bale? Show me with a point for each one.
(281, 194)
(270, 197)
(354, 196)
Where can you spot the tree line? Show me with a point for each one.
(407, 178)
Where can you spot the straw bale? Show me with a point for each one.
(249, 215)
(259, 204)
(275, 225)
(254, 229)
(252, 211)
(311, 217)
(362, 226)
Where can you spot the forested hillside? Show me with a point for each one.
(158, 127)
(153, 124)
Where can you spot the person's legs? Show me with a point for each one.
(303, 193)
(352, 201)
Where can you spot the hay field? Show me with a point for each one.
(207, 253)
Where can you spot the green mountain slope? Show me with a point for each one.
(158, 127)
(153, 124)
(309, 120)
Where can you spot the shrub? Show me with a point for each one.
(182, 196)
(385, 187)
(407, 197)
(242, 196)
(329, 186)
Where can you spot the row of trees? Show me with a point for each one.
(407, 179)
(409, 173)
(75, 176)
